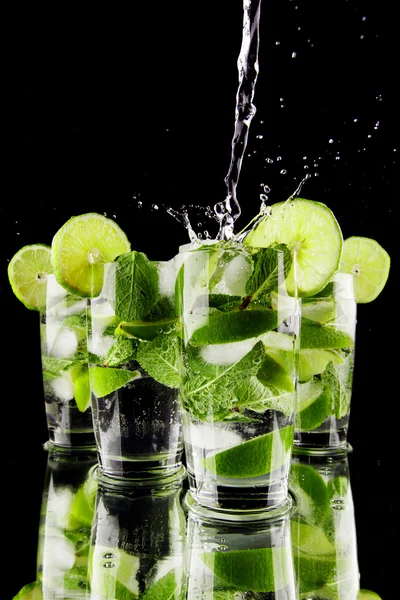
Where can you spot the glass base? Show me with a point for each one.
(175, 478)
(53, 446)
(344, 448)
(72, 439)
(255, 515)
(148, 467)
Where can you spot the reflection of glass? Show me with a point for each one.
(65, 368)
(323, 528)
(238, 328)
(326, 365)
(66, 517)
(133, 372)
(137, 541)
(230, 558)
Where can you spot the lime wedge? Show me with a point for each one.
(253, 458)
(315, 335)
(27, 273)
(31, 591)
(105, 380)
(367, 595)
(310, 490)
(167, 587)
(255, 569)
(313, 235)
(314, 361)
(234, 326)
(145, 330)
(311, 539)
(81, 247)
(80, 378)
(369, 263)
(313, 405)
(274, 373)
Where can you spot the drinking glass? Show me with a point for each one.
(65, 369)
(323, 527)
(133, 370)
(67, 510)
(236, 556)
(238, 342)
(326, 368)
(137, 539)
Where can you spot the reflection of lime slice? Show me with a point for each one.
(113, 573)
(81, 247)
(310, 491)
(31, 591)
(234, 326)
(256, 569)
(105, 380)
(167, 587)
(313, 235)
(27, 274)
(369, 263)
(253, 458)
(311, 539)
(313, 405)
(315, 335)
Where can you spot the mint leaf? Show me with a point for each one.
(52, 366)
(341, 393)
(133, 286)
(159, 358)
(122, 351)
(267, 270)
(164, 309)
(252, 392)
(211, 397)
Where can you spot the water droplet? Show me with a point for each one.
(269, 160)
(330, 140)
(283, 172)
(108, 555)
(277, 43)
(140, 204)
(109, 565)
(294, 54)
(154, 206)
(259, 136)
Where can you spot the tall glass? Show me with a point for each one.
(133, 370)
(228, 557)
(65, 369)
(323, 528)
(326, 367)
(237, 331)
(68, 504)
(137, 540)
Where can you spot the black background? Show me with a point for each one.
(122, 110)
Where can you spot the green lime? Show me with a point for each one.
(253, 458)
(145, 330)
(105, 380)
(314, 361)
(315, 335)
(313, 405)
(369, 263)
(82, 510)
(313, 572)
(318, 309)
(27, 273)
(113, 573)
(313, 235)
(80, 378)
(81, 247)
(310, 539)
(234, 326)
(168, 587)
(367, 595)
(31, 591)
(255, 570)
(273, 373)
(310, 490)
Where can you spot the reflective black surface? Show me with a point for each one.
(125, 110)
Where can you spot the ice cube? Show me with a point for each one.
(62, 342)
(227, 354)
(63, 387)
(166, 277)
(211, 437)
(99, 344)
(236, 274)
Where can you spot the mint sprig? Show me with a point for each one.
(270, 267)
(159, 358)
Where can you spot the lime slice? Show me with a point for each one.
(234, 326)
(313, 405)
(113, 573)
(318, 309)
(314, 361)
(313, 572)
(27, 273)
(31, 591)
(311, 539)
(253, 458)
(315, 335)
(80, 378)
(367, 595)
(255, 570)
(81, 247)
(167, 587)
(310, 491)
(369, 263)
(273, 373)
(105, 380)
(313, 235)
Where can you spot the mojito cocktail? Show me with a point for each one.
(237, 332)
(326, 365)
(65, 368)
(133, 369)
